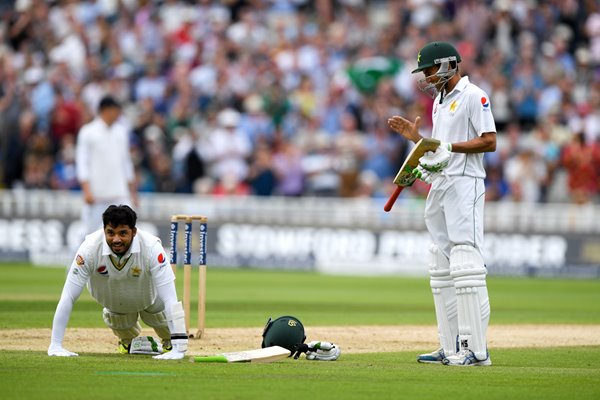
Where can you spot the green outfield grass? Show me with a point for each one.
(238, 298)
(517, 374)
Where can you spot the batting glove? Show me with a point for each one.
(58, 351)
(323, 351)
(145, 345)
(421, 173)
(438, 160)
(179, 348)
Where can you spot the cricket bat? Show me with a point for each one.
(265, 355)
(404, 177)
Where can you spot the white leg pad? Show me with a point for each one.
(124, 326)
(468, 271)
(444, 299)
(158, 321)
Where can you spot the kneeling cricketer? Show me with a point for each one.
(127, 272)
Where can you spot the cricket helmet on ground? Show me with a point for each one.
(435, 53)
(286, 331)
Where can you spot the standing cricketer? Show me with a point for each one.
(463, 122)
(127, 272)
(104, 167)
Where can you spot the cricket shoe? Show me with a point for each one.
(466, 358)
(166, 346)
(435, 357)
(124, 348)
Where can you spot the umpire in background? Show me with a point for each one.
(104, 166)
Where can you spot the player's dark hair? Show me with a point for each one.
(108, 102)
(119, 215)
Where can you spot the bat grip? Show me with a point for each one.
(390, 203)
(218, 359)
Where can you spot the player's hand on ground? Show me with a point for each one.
(410, 130)
(178, 352)
(435, 161)
(59, 351)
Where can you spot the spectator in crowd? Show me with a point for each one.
(64, 172)
(261, 174)
(582, 162)
(287, 164)
(526, 174)
(228, 149)
(349, 148)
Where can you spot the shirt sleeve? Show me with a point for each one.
(168, 294)
(159, 266)
(164, 278)
(80, 269)
(481, 113)
(70, 294)
(82, 156)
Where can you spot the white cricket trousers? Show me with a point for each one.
(454, 212)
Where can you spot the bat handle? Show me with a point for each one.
(390, 203)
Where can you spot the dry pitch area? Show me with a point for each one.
(357, 339)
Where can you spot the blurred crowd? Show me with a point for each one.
(291, 97)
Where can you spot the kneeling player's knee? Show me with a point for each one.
(158, 319)
(119, 321)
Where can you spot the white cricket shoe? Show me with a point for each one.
(466, 358)
(435, 357)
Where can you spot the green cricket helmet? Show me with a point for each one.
(286, 331)
(435, 53)
(432, 54)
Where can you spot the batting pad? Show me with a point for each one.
(468, 272)
(158, 321)
(444, 299)
(124, 326)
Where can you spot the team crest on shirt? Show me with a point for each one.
(453, 106)
(79, 260)
(102, 270)
(136, 271)
(485, 103)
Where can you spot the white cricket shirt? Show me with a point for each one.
(464, 114)
(123, 285)
(103, 159)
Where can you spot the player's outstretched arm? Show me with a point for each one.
(70, 294)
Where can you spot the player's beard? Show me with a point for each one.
(121, 249)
